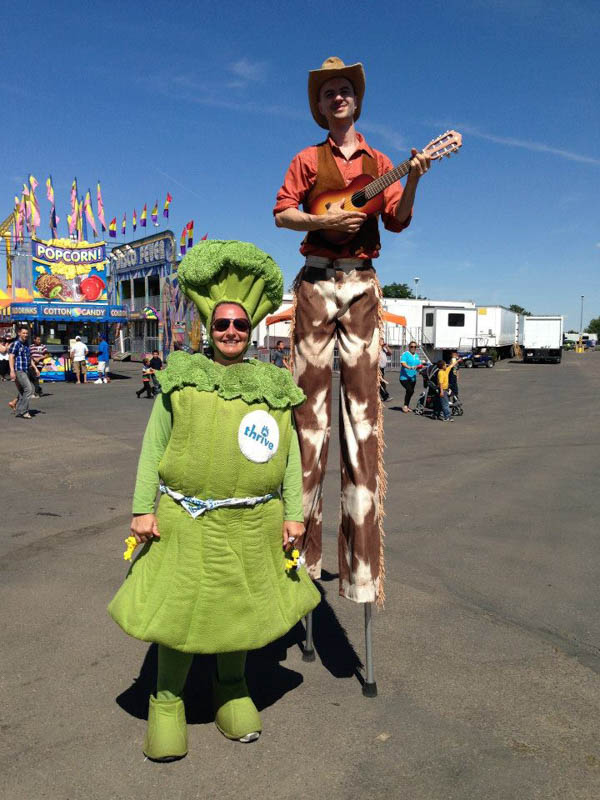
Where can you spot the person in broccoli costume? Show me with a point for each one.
(217, 572)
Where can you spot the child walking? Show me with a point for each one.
(147, 373)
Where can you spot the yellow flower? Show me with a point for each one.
(131, 545)
(295, 554)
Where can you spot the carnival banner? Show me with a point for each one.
(67, 312)
(69, 272)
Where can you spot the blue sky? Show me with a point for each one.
(208, 101)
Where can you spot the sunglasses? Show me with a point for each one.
(240, 324)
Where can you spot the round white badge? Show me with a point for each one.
(258, 436)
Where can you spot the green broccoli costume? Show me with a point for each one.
(222, 442)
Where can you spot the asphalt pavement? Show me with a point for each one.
(487, 655)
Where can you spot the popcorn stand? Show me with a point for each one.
(60, 289)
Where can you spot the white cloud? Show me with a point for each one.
(526, 144)
(389, 135)
(247, 71)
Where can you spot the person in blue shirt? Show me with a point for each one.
(103, 358)
(409, 363)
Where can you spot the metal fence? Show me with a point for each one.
(140, 345)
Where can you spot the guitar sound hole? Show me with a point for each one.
(359, 199)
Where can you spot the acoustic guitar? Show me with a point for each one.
(365, 193)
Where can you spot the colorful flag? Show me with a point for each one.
(182, 241)
(72, 218)
(205, 237)
(89, 212)
(112, 228)
(50, 196)
(81, 223)
(23, 214)
(100, 207)
(35, 209)
(190, 233)
(50, 190)
(167, 204)
(134, 220)
(124, 224)
(154, 214)
(144, 216)
(27, 206)
(18, 220)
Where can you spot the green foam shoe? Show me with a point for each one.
(166, 735)
(236, 716)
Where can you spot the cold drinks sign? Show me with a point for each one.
(69, 272)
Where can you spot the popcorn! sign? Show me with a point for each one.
(69, 272)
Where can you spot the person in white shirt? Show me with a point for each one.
(78, 353)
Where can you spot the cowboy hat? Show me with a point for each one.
(334, 67)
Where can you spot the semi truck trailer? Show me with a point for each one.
(498, 326)
(542, 338)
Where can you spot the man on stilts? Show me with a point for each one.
(337, 297)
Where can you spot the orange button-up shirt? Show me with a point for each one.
(302, 175)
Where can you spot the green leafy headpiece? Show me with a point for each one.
(217, 271)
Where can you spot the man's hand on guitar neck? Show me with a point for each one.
(336, 219)
(419, 165)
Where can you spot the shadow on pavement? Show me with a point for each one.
(268, 679)
(332, 644)
(117, 376)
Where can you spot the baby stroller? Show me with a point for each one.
(426, 402)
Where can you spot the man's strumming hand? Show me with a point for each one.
(336, 219)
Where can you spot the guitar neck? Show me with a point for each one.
(385, 180)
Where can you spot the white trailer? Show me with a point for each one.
(448, 328)
(412, 310)
(542, 338)
(500, 326)
(266, 335)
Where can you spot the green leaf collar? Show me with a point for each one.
(253, 381)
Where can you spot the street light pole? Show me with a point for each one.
(581, 317)
(416, 280)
